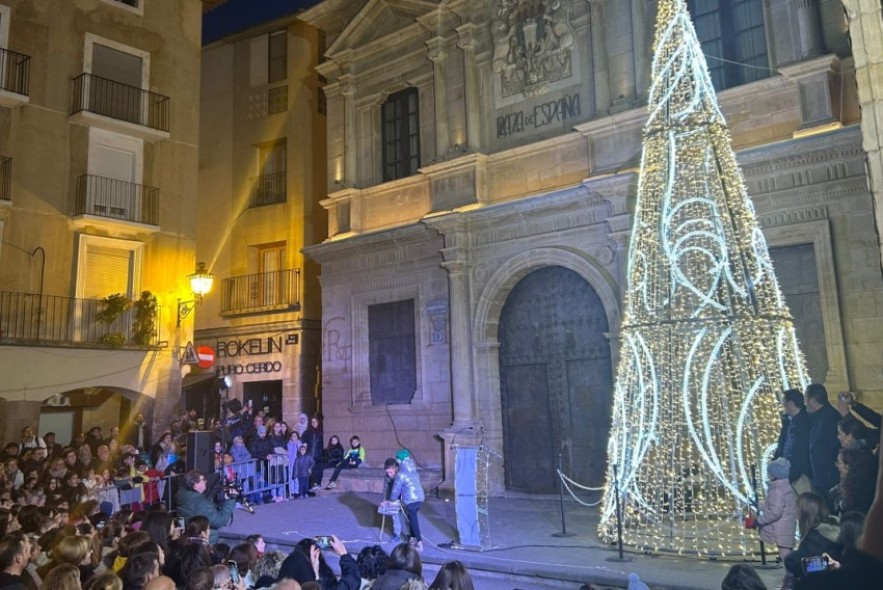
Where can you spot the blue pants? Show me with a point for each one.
(412, 510)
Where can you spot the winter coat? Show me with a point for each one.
(190, 503)
(332, 455)
(407, 484)
(355, 455)
(315, 440)
(303, 465)
(824, 447)
(260, 447)
(778, 514)
(240, 453)
(821, 539)
(393, 579)
(292, 448)
(794, 444)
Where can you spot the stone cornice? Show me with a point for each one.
(365, 253)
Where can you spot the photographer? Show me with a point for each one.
(191, 501)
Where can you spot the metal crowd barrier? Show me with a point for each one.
(257, 478)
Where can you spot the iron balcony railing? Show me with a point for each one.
(269, 189)
(15, 71)
(5, 179)
(28, 317)
(117, 199)
(268, 291)
(120, 101)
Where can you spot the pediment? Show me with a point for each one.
(379, 19)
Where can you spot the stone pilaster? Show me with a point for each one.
(866, 33)
(599, 59)
(468, 43)
(809, 28)
(438, 55)
(350, 149)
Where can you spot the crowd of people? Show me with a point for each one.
(94, 514)
(821, 484)
(101, 513)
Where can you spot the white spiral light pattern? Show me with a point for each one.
(708, 344)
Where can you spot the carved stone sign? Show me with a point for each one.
(539, 116)
(533, 44)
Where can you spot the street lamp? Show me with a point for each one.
(200, 283)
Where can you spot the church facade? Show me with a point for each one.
(482, 168)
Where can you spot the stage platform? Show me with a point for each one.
(521, 529)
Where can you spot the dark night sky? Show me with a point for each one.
(238, 15)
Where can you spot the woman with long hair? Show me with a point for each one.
(331, 457)
(818, 534)
(454, 576)
(858, 474)
(403, 565)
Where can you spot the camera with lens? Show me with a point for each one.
(234, 489)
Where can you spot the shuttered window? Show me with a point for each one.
(392, 352)
(108, 271)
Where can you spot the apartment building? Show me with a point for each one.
(99, 134)
(261, 180)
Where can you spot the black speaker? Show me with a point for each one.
(200, 454)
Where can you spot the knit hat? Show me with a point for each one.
(779, 469)
(635, 583)
(262, 430)
(403, 454)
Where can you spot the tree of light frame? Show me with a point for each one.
(707, 342)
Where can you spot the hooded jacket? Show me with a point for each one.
(820, 539)
(778, 514)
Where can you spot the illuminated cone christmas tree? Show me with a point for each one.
(707, 343)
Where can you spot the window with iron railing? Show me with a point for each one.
(15, 71)
(120, 101)
(117, 199)
(266, 291)
(30, 317)
(5, 179)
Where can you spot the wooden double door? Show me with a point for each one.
(556, 381)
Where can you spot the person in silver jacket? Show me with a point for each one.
(406, 487)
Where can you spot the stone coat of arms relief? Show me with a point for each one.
(533, 41)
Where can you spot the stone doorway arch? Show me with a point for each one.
(486, 328)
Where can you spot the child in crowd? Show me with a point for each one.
(303, 466)
(777, 519)
(354, 457)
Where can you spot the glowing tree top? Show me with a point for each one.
(707, 342)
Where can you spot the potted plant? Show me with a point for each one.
(113, 306)
(146, 312)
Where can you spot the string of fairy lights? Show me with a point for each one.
(708, 344)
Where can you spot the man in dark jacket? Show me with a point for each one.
(823, 443)
(191, 501)
(794, 440)
(15, 552)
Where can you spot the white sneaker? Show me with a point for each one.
(331, 485)
(315, 488)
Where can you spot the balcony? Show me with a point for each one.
(15, 70)
(261, 293)
(114, 201)
(119, 107)
(269, 189)
(5, 180)
(28, 318)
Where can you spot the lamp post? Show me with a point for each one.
(200, 283)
